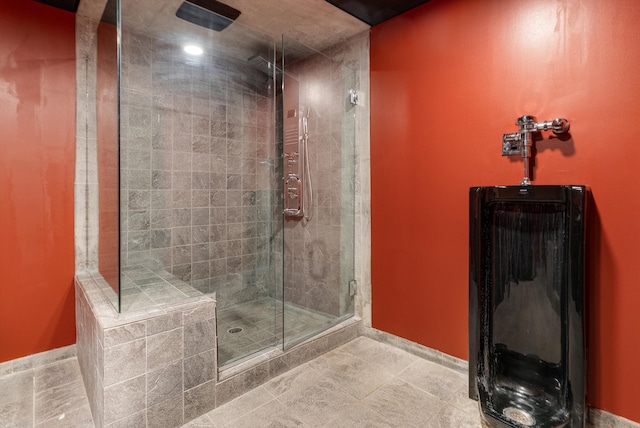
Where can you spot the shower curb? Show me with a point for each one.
(255, 371)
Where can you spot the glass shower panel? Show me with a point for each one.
(201, 159)
(318, 134)
(107, 151)
(197, 146)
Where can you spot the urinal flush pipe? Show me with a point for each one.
(521, 142)
(527, 142)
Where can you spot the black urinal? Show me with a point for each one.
(526, 305)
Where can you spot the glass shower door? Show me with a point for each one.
(200, 188)
(318, 123)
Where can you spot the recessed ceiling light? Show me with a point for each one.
(193, 50)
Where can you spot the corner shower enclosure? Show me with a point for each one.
(190, 176)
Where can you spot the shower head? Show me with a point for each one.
(305, 122)
(210, 14)
(263, 64)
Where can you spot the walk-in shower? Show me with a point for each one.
(193, 179)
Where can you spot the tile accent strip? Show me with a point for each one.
(34, 361)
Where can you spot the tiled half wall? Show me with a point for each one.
(158, 368)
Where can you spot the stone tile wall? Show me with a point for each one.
(197, 148)
(154, 369)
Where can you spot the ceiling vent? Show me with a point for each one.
(210, 14)
(69, 5)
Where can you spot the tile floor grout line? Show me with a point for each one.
(408, 366)
(444, 403)
(70, 378)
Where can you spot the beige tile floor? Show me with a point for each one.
(49, 396)
(363, 383)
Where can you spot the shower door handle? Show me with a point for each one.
(293, 196)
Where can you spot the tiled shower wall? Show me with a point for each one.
(319, 253)
(197, 151)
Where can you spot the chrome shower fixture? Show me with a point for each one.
(521, 142)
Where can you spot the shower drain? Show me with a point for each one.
(519, 416)
(234, 330)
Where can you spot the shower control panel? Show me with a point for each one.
(291, 159)
(293, 192)
(293, 151)
(292, 165)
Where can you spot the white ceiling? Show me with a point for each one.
(315, 23)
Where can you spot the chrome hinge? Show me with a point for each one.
(353, 96)
(353, 287)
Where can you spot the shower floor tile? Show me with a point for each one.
(247, 328)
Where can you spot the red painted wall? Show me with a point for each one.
(37, 138)
(447, 80)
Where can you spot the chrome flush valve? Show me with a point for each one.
(520, 143)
